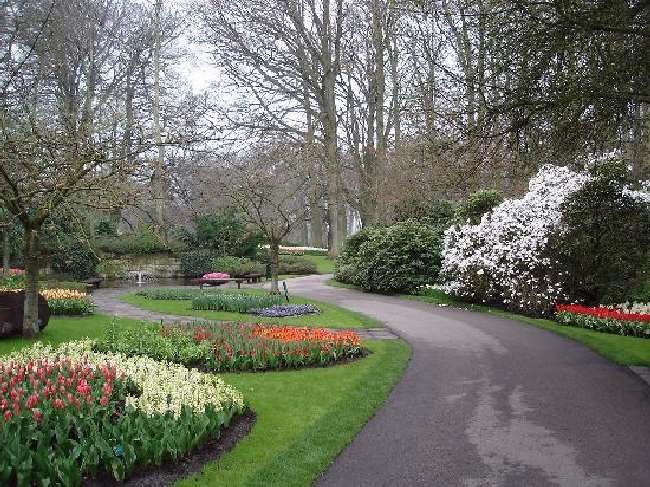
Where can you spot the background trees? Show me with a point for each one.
(387, 106)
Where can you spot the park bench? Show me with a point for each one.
(93, 282)
(202, 281)
(253, 277)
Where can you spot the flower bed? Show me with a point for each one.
(69, 412)
(281, 311)
(237, 303)
(607, 320)
(172, 294)
(235, 346)
(67, 302)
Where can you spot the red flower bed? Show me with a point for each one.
(600, 312)
(238, 346)
(44, 387)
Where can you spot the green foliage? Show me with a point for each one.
(477, 204)
(70, 307)
(223, 234)
(105, 228)
(237, 266)
(639, 329)
(603, 245)
(113, 268)
(346, 266)
(398, 258)
(172, 294)
(316, 252)
(18, 282)
(75, 258)
(237, 303)
(144, 242)
(72, 285)
(196, 262)
(291, 264)
(439, 213)
(66, 444)
(12, 282)
(233, 347)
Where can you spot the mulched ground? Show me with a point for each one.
(168, 473)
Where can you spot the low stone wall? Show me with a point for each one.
(159, 266)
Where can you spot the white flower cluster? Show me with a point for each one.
(642, 195)
(501, 260)
(635, 308)
(165, 386)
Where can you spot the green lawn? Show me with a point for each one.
(331, 316)
(324, 264)
(335, 283)
(304, 417)
(63, 329)
(623, 350)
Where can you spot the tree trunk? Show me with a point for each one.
(275, 265)
(31, 251)
(6, 251)
(157, 183)
(316, 222)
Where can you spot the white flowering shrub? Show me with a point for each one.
(502, 259)
(574, 237)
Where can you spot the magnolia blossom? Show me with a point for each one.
(501, 259)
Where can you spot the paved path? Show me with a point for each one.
(486, 401)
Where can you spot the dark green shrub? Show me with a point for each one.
(477, 204)
(290, 264)
(196, 262)
(76, 258)
(223, 233)
(437, 212)
(603, 243)
(346, 262)
(143, 242)
(398, 258)
(237, 266)
(105, 228)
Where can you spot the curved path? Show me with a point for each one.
(486, 401)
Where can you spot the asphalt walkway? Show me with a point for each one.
(486, 401)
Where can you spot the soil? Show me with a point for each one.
(170, 472)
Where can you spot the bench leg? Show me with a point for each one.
(238, 285)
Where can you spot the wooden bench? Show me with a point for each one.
(201, 281)
(254, 277)
(94, 282)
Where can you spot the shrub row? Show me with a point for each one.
(235, 303)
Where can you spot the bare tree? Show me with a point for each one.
(58, 142)
(267, 186)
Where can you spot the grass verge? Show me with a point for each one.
(331, 316)
(324, 264)
(342, 285)
(304, 417)
(623, 350)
